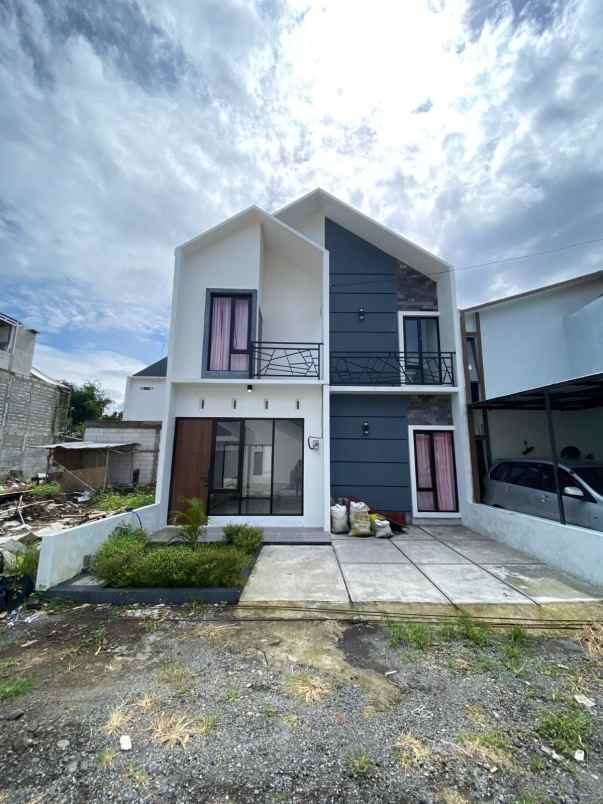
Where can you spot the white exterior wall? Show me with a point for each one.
(282, 405)
(525, 343)
(232, 263)
(290, 300)
(584, 330)
(313, 227)
(144, 399)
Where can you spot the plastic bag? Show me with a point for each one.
(339, 519)
(360, 523)
(382, 529)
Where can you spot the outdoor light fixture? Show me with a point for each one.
(365, 428)
(249, 389)
(361, 314)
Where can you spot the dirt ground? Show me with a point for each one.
(225, 711)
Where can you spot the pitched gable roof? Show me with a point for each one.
(157, 369)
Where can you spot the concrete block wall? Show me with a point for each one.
(32, 412)
(145, 434)
(429, 409)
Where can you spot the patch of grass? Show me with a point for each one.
(591, 639)
(112, 500)
(309, 689)
(173, 730)
(106, 757)
(411, 751)
(530, 797)
(117, 721)
(6, 665)
(476, 713)
(492, 746)
(450, 796)
(536, 763)
(137, 774)
(566, 730)
(481, 663)
(146, 703)
(176, 673)
(416, 635)
(361, 765)
(45, 491)
(14, 688)
(231, 696)
(291, 720)
(472, 631)
(518, 635)
(27, 563)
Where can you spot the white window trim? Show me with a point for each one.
(414, 314)
(413, 474)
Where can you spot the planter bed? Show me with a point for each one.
(81, 591)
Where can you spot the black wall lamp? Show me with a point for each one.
(361, 314)
(249, 389)
(365, 428)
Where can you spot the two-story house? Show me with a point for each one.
(312, 356)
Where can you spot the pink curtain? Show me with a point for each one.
(241, 331)
(220, 334)
(444, 467)
(425, 500)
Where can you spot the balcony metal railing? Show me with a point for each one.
(277, 359)
(392, 368)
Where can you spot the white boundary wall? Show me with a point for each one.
(568, 548)
(62, 553)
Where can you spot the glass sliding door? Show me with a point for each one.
(422, 349)
(257, 467)
(435, 473)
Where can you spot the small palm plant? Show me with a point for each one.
(192, 521)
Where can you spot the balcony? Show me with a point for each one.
(392, 368)
(281, 359)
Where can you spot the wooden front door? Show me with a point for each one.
(190, 465)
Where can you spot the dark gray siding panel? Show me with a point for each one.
(361, 276)
(373, 467)
(349, 301)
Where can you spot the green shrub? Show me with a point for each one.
(117, 559)
(113, 500)
(27, 563)
(45, 490)
(193, 521)
(180, 566)
(127, 560)
(245, 537)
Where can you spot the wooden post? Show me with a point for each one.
(106, 468)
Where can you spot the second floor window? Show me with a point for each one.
(421, 335)
(229, 332)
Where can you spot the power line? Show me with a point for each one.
(369, 282)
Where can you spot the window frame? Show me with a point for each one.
(241, 460)
(233, 293)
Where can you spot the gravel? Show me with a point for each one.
(249, 739)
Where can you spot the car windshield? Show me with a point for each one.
(593, 475)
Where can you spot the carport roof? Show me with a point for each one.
(580, 393)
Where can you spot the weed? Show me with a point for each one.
(566, 730)
(6, 665)
(361, 765)
(417, 635)
(472, 631)
(99, 639)
(476, 713)
(291, 720)
(411, 750)
(106, 757)
(536, 763)
(309, 689)
(137, 774)
(146, 703)
(231, 696)
(450, 796)
(13, 688)
(592, 639)
(45, 491)
(492, 746)
(118, 720)
(112, 500)
(173, 730)
(269, 710)
(530, 797)
(518, 635)
(175, 673)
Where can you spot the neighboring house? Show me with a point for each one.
(140, 424)
(534, 376)
(34, 408)
(312, 355)
(145, 393)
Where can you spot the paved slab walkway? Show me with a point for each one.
(449, 565)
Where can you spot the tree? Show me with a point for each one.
(88, 402)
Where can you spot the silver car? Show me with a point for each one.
(528, 486)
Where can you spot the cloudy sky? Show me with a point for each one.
(127, 127)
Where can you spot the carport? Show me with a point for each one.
(579, 395)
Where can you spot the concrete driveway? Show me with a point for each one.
(445, 565)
